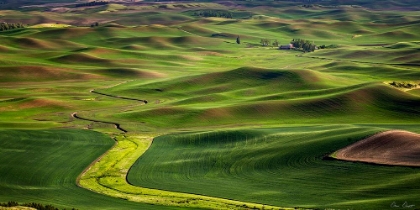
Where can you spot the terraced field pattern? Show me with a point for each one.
(192, 105)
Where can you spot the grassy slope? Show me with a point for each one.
(267, 96)
(108, 177)
(190, 70)
(42, 166)
(277, 166)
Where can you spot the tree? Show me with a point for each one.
(265, 42)
(275, 43)
(213, 13)
(304, 45)
(238, 40)
(8, 26)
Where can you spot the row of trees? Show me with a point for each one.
(267, 42)
(213, 13)
(327, 46)
(298, 44)
(7, 26)
(304, 45)
(404, 84)
(92, 3)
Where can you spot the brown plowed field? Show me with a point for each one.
(394, 147)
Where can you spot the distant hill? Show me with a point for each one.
(16, 4)
(396, 4)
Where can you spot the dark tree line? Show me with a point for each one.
(408, 85)
(92, 3)
(37, 206)
(8, 26)
(328, 46)
(304, 45)
(213, 13)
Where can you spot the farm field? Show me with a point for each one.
(43, 165)
(193, 105)
(276, 166)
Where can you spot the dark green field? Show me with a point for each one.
(233, 118)
(43, 165)
(276, 166)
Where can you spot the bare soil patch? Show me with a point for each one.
(394, 147)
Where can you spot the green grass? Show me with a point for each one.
(108, 176)
(276, 166)
(43, 165)
(196, 78)
(249, 96)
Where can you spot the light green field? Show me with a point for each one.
(239, 124)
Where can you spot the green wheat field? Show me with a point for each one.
(140, 104)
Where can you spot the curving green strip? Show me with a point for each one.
(41, 166)
(108, 176)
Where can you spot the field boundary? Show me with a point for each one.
(93, 163)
